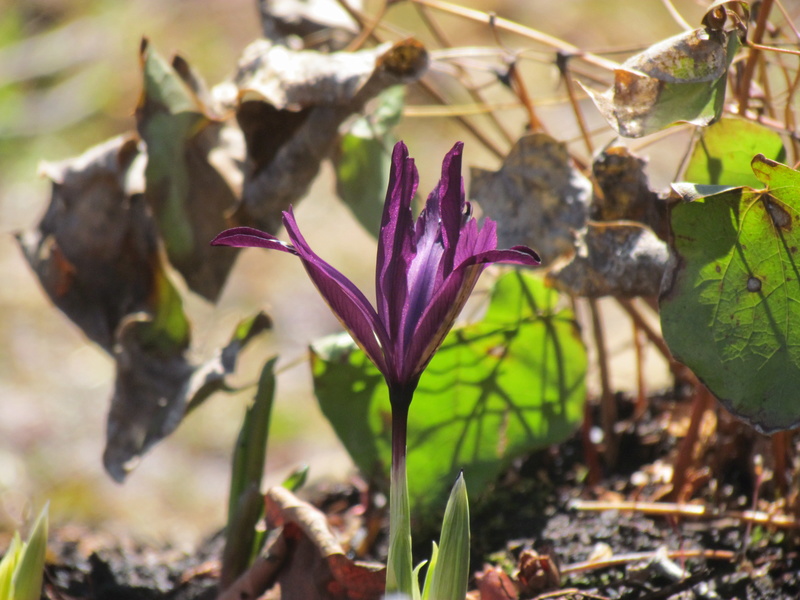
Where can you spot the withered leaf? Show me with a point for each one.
(626, 194)
(681, 79)
(95, 250)
(290, 105)
(187, 190)
(617, 258)
(318, 568)
(157, 386)
(537, 197)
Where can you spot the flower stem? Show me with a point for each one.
(399, 569)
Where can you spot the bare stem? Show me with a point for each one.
(752, 59)
(399, 571)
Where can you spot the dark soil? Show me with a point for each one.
(529, 522)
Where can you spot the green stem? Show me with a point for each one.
(399, 569)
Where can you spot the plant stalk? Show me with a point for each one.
(399, 570)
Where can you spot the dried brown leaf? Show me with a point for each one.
(626, 194)
(317, 568)
(537, 197)
(95, 250)
(619, 258)
(290, 105)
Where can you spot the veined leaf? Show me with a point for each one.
(730, 311)
(495, 390)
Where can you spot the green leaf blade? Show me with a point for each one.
(496, 389)
(451, 574)
(730, 312)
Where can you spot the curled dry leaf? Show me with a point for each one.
(537, 197)
(192, 172)
(494, 584)
(626, 195)
(290, 105)
(613, 259)
(681, 79)
(95, 252)
(316, 567)
(156, 384)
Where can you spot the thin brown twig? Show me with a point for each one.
(563, 67)
(516, 28)
(750, 65)
(673, 12)
(687, 510)
(788, 18)
(488, 144)
(654, 337)
(441, 38)
(622, 559)
(773, 49)
(701, 402)
(608, 407)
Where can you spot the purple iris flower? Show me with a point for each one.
(425, 271)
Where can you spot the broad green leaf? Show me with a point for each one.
(724, 151)
(730, 311)
(495, 390)
(449, 579)
(363, 161)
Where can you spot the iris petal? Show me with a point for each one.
(346, 301)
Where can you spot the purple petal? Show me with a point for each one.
(443, 309)
(395, 243)
(451, 202)
(247, 237)
(438, 318)
(347, 302)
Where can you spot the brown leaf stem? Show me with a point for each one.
(752, 59)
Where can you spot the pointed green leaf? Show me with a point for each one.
(296, 479)
(449, 580)
(724, 151)
(8, 565)
(730, 310)
(497, 389)
(29, 571)
(431, 570)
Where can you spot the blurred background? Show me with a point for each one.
(70, 79)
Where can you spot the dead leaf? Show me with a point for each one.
(317, 568)
(626, 194)
(494, 584)
(95, 250)
(681, 79)
(537, 197)
(290, 105)
(156, 385)
(619, 258)
(187, 188)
